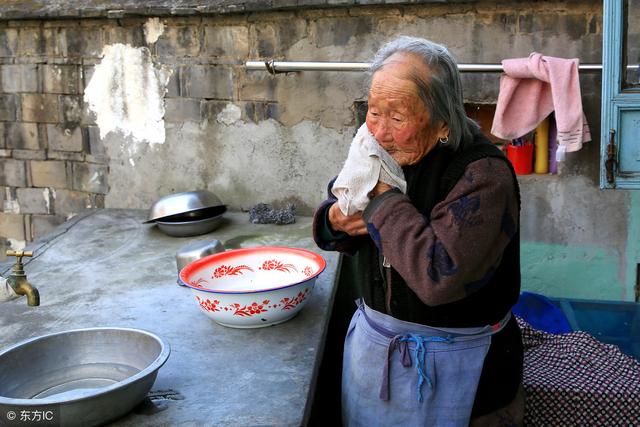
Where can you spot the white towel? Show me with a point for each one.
(366, 164)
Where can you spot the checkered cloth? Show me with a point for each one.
(575, 380)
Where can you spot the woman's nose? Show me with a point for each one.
(381, 133)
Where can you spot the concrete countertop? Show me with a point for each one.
(106, 268)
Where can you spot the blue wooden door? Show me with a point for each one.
(620, 139)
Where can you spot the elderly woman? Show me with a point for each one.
(433, 342)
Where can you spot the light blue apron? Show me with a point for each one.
(398, 373)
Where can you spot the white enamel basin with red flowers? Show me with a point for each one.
(253, 287)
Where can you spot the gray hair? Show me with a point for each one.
(440, 91)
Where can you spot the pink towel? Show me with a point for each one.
(531, 89)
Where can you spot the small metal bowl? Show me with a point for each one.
(196, 250)
(188, 202)
(190, 228)
(195, 215)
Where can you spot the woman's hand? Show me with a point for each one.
(380, 188)
(353, 225)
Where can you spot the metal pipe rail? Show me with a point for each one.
(276, 67)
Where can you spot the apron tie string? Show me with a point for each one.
(420, 356)
(405, 359)
(401, 343)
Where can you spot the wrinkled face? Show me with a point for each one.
(396, 116)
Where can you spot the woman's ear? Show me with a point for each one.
(443, 130)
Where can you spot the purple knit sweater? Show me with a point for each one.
(449, 254)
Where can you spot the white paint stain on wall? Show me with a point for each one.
(153, 29)
(229, 115)
(46, 193)
(126, 92)
(10, 204)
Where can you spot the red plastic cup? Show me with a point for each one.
(521, 157)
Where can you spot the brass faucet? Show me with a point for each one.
(18, 280)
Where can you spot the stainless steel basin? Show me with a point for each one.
(83, 377)
(190, 228)
(201, 204)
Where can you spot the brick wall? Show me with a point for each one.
(48, 170)
(53, 163)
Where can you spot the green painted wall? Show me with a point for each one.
(586, 272)
(604, 270)
(633, 245)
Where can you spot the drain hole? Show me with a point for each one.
(157, 401)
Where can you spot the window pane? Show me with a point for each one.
(631, 48)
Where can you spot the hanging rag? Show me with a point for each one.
(366, 164)
(6, 291)
(530, 89)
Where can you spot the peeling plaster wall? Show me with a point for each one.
(126, 93)
(251, 137)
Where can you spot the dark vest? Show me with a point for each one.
(428, 182)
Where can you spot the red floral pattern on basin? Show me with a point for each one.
(227, 270)
(200, 283)
(274, 264)
(286, 303)
(207, 304)
(290, 303)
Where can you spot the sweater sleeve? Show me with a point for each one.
(325, 237)
(455, 251)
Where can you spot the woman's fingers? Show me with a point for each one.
(353, 225)
(356, 225)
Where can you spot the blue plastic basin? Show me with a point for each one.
(612, 322)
